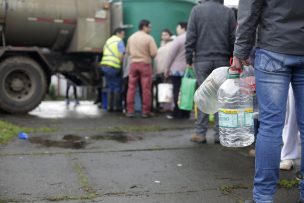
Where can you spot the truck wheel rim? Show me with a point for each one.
(18, 85)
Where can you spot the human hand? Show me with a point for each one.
(239, 63)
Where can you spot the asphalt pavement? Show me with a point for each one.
(91, 155)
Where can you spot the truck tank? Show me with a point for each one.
(69, 25)
(42, 37)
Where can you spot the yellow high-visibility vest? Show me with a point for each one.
(111, 55)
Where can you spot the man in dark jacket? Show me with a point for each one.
(210, 39)
(279, 60)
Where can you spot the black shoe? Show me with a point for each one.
(97, 101)
(216, 141)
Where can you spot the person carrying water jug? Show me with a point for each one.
(279, 61)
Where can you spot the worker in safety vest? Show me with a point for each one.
(111, 64)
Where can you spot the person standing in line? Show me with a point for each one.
(125, 81)
(279, 61)
(166, 37)
(111, 65)
(209, 41)
(290, 135)
(159, 66)
(176, 68)
(141, 48)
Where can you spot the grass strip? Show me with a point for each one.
(8, 131)
(84, 182)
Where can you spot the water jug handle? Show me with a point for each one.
(233, 72)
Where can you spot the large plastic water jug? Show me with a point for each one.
(206, 95)
(236, 126)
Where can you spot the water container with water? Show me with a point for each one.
(236, 126)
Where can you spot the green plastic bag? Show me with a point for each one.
(187, 90)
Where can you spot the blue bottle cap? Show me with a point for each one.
(23, 136)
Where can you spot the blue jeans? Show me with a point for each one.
(274, 72)
(113, 78)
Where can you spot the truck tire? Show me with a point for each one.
(23, 84)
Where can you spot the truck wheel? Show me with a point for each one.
(22, 85)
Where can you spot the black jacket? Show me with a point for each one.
(280, 26)
(210, 32)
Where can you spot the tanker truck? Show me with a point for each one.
(42, 37)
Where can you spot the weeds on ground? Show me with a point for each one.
(8, 131)
(289, 183)
(231, 188)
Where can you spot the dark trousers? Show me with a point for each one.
(158, 79)
(202, 71)
(68, 89)
(99, 95)
(125, 82)
(178, 113)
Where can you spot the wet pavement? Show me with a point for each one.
(95, 156)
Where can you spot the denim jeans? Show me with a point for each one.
(274, 72)
(113, 78)
(202, 71)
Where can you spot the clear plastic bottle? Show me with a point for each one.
(206, 95)
(236, 126)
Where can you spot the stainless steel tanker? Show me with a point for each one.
(42, 37)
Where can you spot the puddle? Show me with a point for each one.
(77, 142)
(72, 138)
(118, 136)
(68, 141)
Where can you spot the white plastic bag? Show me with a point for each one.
(206, 95)
(165, 92)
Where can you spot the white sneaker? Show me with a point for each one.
(287, 164)
(169, 116)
